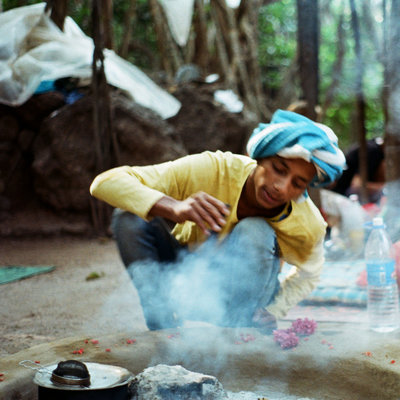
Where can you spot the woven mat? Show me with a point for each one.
(15, 273)
(338, 285)
(329, 313)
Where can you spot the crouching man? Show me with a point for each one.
(234, 219)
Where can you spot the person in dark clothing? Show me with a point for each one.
(350, 181)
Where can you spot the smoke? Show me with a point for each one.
(213, 284)
(391, 209)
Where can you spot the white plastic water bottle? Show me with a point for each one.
(383, 296)
(356, 222)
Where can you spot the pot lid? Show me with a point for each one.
(102, 376)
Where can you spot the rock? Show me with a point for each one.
(187, 73)
(203, 124)
(65, 157)
(48, 158)
(25, 139)
(9, 128)
(164, 382)
(37, 108)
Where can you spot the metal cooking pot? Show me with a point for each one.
(74, 380)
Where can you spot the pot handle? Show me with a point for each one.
(32, 365)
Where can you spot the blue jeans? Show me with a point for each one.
(221, 282)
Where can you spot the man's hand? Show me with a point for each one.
(205, 210)
(264, 321)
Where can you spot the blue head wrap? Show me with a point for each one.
(292, 135)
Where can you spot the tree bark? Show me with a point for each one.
(107, 18)
(236, 54)
(227, 69)
(158, 27)
(308, 49)
(360, 105)
(105, 141)
(201, 57)
(129, 21)
(171, 59)
(248, 14)
(59, 11)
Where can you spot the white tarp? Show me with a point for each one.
(233, 3)
(33, 50)
(179, 16)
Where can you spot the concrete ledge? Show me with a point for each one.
(335, 363)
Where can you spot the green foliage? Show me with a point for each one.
(9, 4)
(142, 32)
(277, 52)
(81, 12)
(277, 41)
(341, 113)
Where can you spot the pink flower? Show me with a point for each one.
(304, 326)
(286, 338)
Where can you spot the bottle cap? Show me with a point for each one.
(353, 197)
(377, 221)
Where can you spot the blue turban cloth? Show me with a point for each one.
(291, 135)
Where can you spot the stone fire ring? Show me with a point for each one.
(336, 362)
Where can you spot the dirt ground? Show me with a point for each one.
(63, 302)
(42, 310)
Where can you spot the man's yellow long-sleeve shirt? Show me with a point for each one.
(222, 175)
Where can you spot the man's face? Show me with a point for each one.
(278, 180)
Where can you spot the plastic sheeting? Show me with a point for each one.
(33, 49)
(179, 16)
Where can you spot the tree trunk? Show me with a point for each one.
(129, 21)
(360, 105)
(248, 15)
(107, 18)
(308, 43)
(308, 53)
(105, 141)
(59, 10)
(171, 59)
(227, 69)
(201, 41)
(234, 49)
(158, 28)
(392, 134)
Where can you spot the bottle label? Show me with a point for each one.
(381, 273)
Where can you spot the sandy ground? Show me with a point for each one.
(64, 303)
(45, 316)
